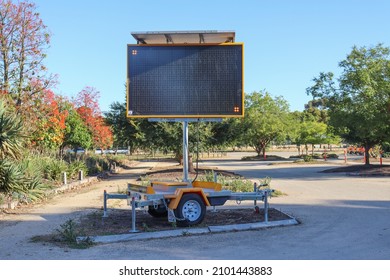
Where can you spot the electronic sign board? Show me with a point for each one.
(185, 80)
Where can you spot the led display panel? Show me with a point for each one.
(185, 81)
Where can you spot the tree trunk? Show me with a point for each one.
(263, 151)
(190, 164)
(258, 150)
(367, 148)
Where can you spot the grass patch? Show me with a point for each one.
(66, 236)
(261, 158)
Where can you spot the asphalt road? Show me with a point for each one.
(342, 217)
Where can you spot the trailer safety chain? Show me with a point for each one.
(165, 204)
(171, 214)
(262, 185)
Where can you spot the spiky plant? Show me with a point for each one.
(11, 134)
(12, 179)
(35, 190)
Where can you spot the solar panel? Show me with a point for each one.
(185, 80)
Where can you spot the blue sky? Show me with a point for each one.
(287, 43)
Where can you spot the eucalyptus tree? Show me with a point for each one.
(266, 119)
(358, 101)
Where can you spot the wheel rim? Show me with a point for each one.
(191, 210)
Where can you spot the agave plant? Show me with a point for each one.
(12, 179)
(11, 134)
(35, 190)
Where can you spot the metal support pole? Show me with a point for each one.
(133, 216)
(266, 207)
(105, 204)
(185, 151)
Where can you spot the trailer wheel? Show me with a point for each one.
(159, 212)
(190, 211)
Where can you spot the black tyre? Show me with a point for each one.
(160, 211)
(190, 211)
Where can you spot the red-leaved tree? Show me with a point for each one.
(47, 120)
(87, 106)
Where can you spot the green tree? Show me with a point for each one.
(266, 119)
(127, 132)
(316, 108)
(226, 133)
(152, 136)
(312, 132)
(358, 101)
(76, 133)
(308, 129)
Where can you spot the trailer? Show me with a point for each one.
(184, 203)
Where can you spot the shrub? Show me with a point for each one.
(235, 184)
(120, 160)
(386, 155)
(53, 169)
(96, 164)
(12, 178)
(335, 156)
(239, 185)
(307, 158)
(68, 233)
(74, 168)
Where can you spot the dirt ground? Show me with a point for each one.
(119, 220)
(362, 170)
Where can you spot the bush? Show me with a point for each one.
(386, 155)
(307, 158)
(120, 160)
(96, 164)
(234, 184)
(68, 233)
(334, 156)
(53, 169)
(74, 168)
(239, 185)
(386, 147)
